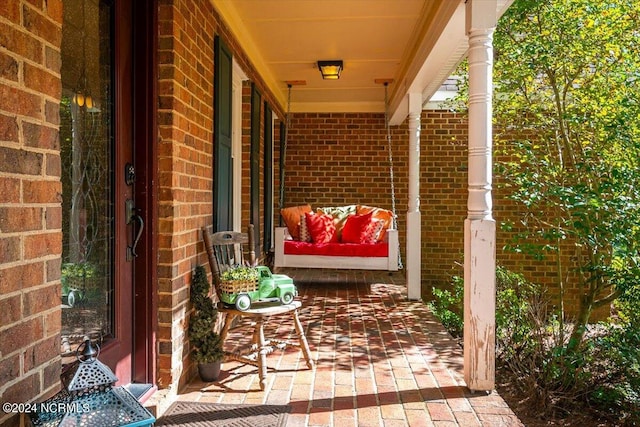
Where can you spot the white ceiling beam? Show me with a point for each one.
(435, 61)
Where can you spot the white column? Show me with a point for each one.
(414, 228)
(479, 227)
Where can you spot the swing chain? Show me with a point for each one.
(386, 122)
(393, 187)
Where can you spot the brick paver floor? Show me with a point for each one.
(381, 360)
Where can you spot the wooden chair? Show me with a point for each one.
(228, 249)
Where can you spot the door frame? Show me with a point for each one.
(239, 77)
(145, 136)
(117, 352)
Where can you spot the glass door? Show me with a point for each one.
(99, 221)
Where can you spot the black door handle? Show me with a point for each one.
(131, 213)
(132, 248)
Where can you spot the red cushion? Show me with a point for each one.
(293, 247)
(355, 229)
(321, 228)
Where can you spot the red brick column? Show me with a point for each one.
(185, 179)
(30, 203)
(185, 150)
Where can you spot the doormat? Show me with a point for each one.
(198, 414)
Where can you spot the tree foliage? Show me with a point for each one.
(567, 143)
(567, 115)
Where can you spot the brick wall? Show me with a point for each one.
(30, 204)
(342, 158)
(185, 150)
(246, 154)
(443, 195)
(185, 153)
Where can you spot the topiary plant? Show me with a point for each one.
(205, 342)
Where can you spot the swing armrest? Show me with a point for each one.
(391, 236)
(287, 235)
(281, 234)
(394, 249)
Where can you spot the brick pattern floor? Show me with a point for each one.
(381, 360)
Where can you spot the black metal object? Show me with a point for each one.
(89, 398)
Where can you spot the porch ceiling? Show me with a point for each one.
(417, 43)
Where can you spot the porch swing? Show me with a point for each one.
(368, 236)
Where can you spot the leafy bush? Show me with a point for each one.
(616, 361)
(447, 306)
(615, 372)
(81, 270)
(532, 350)
(513, 291)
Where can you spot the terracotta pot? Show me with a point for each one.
(209, 371)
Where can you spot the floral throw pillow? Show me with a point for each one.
(321, 228)
(339, 214)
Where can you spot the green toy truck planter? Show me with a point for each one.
(242, 286)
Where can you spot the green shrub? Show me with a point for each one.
(513, 293)
(521, 308)
(615, 367)
(615, 372)
(447, 306)
(531, 350)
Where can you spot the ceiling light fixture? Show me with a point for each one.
(330, 70)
